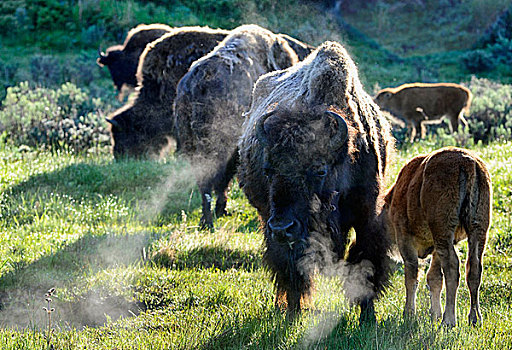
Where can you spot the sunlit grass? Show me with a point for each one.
(120, 242)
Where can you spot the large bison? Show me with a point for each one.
(439, 199)
(145, 124)
(421, 104)
(210, 102)
(313, 160)
(122, 60)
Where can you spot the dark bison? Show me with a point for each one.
(122, 60)
(145, 124)
(313, 161)
(210, 102)
(438, 200)
(421, 104)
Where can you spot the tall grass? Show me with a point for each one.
(126, 279)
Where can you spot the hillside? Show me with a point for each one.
(50, 42)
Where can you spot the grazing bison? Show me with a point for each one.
(438, 200)
(145, 124)
(313, 159)
(421, 104)
(122, 60)
(210, 102)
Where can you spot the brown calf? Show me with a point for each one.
(438, 200)
(421, 104)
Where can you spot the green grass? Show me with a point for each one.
(120, 243)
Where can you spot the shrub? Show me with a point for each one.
(491, 110)
(479, 61)
(53, 118)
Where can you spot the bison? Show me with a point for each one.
(437, 200)
(313, 161)
(421, 104)
(210, 102)
(145, 124)
(122, 60)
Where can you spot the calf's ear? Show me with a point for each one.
(281, 55)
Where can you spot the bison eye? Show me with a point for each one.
(322, 172)
(267, 170)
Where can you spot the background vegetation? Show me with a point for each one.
(120, 241)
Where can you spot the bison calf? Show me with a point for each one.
(438, 200)
(421, 104)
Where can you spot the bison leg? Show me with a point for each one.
(463, 121)
(410, 257)
(450, 265)
(435, 285)
(222, 186)
(206, 196)
(425, 123)
(372, 243)
(474, 271)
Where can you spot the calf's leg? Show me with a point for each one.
(410, 258)
(474, 272)
(450, 266)
(435, 284)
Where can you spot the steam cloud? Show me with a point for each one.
(320, 257)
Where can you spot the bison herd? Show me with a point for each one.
(311, 149)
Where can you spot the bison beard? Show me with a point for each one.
(314, 167)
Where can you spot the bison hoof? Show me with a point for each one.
(474, 318)
(220, 213)
(367, 312)
(448, 323)
(206, 225)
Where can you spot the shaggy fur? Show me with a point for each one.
(301, 49)
(145, 124)
(122, 60)
(306, 180)
(438, 200)
(421, 104)
(211, 99)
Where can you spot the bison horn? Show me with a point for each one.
(339, 139)
(101, 53)
(114, 123)
(260, 130)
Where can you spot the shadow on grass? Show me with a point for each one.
(86, 303)
(207, 257)
(319, 330)
(155, 190)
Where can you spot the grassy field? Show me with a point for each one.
(121, 245)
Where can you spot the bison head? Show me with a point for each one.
(135, 140)
(383, 99)
(300, 156)
(121, 68)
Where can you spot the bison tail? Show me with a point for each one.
(467, 106)
(476, 199)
